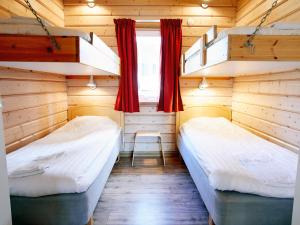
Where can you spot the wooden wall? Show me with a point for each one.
(34, 104)
(270, 105)
(249, 12)
(196, 20)
(219, 92)
(147, 119)
(51, 10)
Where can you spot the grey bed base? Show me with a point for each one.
(234, 208)
(63, 209)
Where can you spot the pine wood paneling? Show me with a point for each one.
(88, 20)
(82, 10)
(7, 73)
(17, 102)
(16, 133)
(269, 104)
(4, 14)
(15, 87)
(22, 116)
(27, 140)
(219, 91)
(147, 119)
(34, 104)
(136, 119)
(153, 2)
(249, 13)
(196, 20)
(80, 94)
(49, 10)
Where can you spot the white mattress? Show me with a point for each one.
(29, 26)
(237, 160)
(86, 143)
(249, 30)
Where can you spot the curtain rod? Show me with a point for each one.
(147, 21)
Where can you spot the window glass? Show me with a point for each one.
(148, 48)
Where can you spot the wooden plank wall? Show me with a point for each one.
(269, 104)
(148, 118)
(196, 20)
(51, 10)
(34, 104)
(219, 91)
(249, 12)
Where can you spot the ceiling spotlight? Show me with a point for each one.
(91, 84)
(204, 5)
(203, 84)
(91, 3)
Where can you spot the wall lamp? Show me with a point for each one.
(91, 84)
(204, 4)
(203, 84)
(91, 3)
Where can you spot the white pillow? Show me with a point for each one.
(93, 122)
(205, 122)
(286, 26)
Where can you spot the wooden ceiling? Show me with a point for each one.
(155, 2)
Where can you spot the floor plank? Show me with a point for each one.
(150, 194)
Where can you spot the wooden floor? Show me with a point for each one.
(150, 194)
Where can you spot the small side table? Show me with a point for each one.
(148, 134)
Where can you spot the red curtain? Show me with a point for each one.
(127, 99)
(171, 43)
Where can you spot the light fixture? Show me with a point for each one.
(203, 84)
(204, 5)
(91, 84)
(91, 3)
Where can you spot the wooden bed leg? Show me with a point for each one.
(91, 221)
(210, 221)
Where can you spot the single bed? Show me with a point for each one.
(68, 190)
(229, 204)
(275, 50)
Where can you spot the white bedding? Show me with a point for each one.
(237, 160)
(29, 26)
(86, 143)
(249, 30)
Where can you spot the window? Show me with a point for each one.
(148, 49)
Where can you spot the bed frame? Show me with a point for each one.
(63, 209)
(234, 208)
(76, 55)
(229, 56)
(74, 208)
(229, 207)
